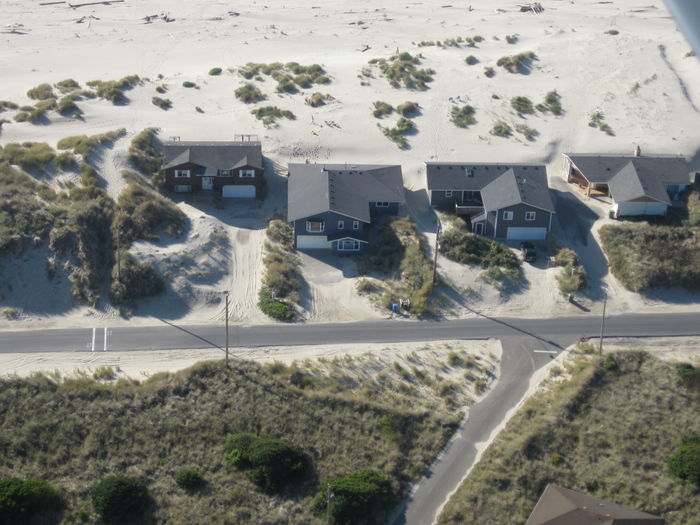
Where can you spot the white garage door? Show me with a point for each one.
(526, 234)
(642, 208)
(313, 242)
(244, 191)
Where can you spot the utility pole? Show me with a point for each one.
(119, 263)
(602, 321)
(226, 294)
(437, 247)
(329, 497)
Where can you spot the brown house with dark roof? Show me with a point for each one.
(560, 506)
(232, 169)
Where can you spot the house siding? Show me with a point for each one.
(501, 226)
(439, 200)
(392, 209)
(197, 172)
(330, 220)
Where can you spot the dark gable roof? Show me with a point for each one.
(213, 155)
(633, 182)
(600, 169)
(465, 176)
(560, 506)
(518, 186)
(340, 188)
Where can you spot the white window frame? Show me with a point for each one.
(507, 215)
(320, 222)
(182, 174)
(246, 174)
(341, 225)
(383, 204)
(530, 215)
(224, 173)
(355, 245)
(355, 225)
(448, 193)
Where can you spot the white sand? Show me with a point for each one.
(590, 69)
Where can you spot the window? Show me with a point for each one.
(314, 226)
(382, 204)
(246, 174)
(448, 193)
(507, 215)
(182, 174)
(348, 245)
(341, 225)
(355, 225)
(183, 188)
(224, 173)
(530, 215)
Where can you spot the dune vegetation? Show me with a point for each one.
(609, 430)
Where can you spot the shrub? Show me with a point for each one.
(113, 90)
(28, 154)
(612, 32)
(522, 105)
(67, 86)
(408, 109)
(689, 374)
(41, 92)
(248, 93)
(519, 63)
(275, 308)
(270, 463)
(684, 462)
(145, 151)
(468, 248)
(6, 104)
(528, 132)
(188, 84)
(84, 145)
(189, 479)
(359, 497)
(161, 89)
(270, 114)
(65, 160)
(215, 71)
(26, 501)
(120, 499)
(396, 134)
(571, 279)
(163, 103)
(381, 109)
(489, 72)
(281, 232)
(512, 39)
(501, 129)
(471, 60)
(318, 99)
(66, 106)
(463, 117)
(105, 373)
(552, 103)
(400, 70)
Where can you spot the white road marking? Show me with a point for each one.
(545, 351)
(93, 339)
(105, 345)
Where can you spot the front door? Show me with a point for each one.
(207, 183)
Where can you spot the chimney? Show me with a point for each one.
(637, 151)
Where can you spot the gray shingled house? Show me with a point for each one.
(502, 201)
(331, 205)
(233, 169)
(560, 506)
(637, 185)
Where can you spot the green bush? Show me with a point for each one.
(28, 155)
(66, 106)
(408, 109)
(552, 103)
(501, 129)
(520, 63)
(113, 90)
(318, 99)
(6, 104)
(41, 92)
(468, 248)
(188, 84)
(612, 32)
(471, 60)
(28, 501)
(145, 151)
(381, 109)
(512, 39)
(163, 103)
(67, 86)
(215, 71)
(270, 463)
(281, 232)
(270, 114)
(522, 105)
(396, 134)
(684, 462)
(527, 131)
(84, 145)
(462, 117)
(400, 70)
(189, 479)
(249, 94)
(689, 374)
(359, 497)
(65, 160)
(120, 500)
(489, 72)
(275, 308)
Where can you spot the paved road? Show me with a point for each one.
(520, 337)
(168, 336)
